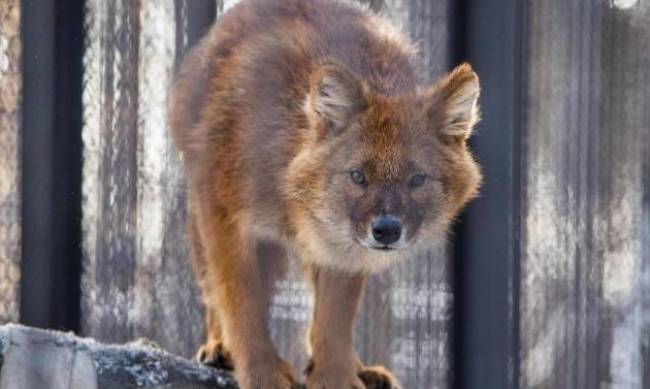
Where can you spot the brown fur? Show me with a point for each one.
(271, 111)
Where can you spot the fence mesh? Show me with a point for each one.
(10, 86)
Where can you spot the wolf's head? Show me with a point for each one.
(381, 176)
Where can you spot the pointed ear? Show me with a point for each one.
(454, 102)
(336, 96)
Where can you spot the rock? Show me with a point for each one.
(33, 358)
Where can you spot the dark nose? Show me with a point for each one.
(387, 230)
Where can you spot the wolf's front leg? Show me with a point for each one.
(333, 362)
(243, 301)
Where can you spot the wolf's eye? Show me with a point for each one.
(417, 180)
(357, 177)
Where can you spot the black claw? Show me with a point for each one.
(375, 380)
(218, 361)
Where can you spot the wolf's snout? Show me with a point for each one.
(387, 230)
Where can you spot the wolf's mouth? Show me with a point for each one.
(375, 247)
(384, 248)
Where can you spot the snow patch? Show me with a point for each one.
(623, 4)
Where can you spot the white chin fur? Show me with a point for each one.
(355, 257)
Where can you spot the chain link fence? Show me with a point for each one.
(10, 85)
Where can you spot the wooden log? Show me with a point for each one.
(31, 358)
(10, 94)
(136, 280)
(110, 170)
(585, 271)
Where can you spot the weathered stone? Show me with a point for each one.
(32, 358)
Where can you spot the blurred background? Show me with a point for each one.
(545, 282)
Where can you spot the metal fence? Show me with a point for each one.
(546, 283)
(10, 81)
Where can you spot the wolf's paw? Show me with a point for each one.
(213, 353)
(378, 377)
(324, 380)
(331, 377)
(266, 375)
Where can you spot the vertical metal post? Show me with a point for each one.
(487, 248)
(51, 158)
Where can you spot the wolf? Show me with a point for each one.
(306, 131)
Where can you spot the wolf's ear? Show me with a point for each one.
(453, 102)
(336, 96)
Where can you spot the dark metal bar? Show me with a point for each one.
(487, 245)
(193, 19)
(52, 35)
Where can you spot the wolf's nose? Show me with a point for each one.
(387, 230)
